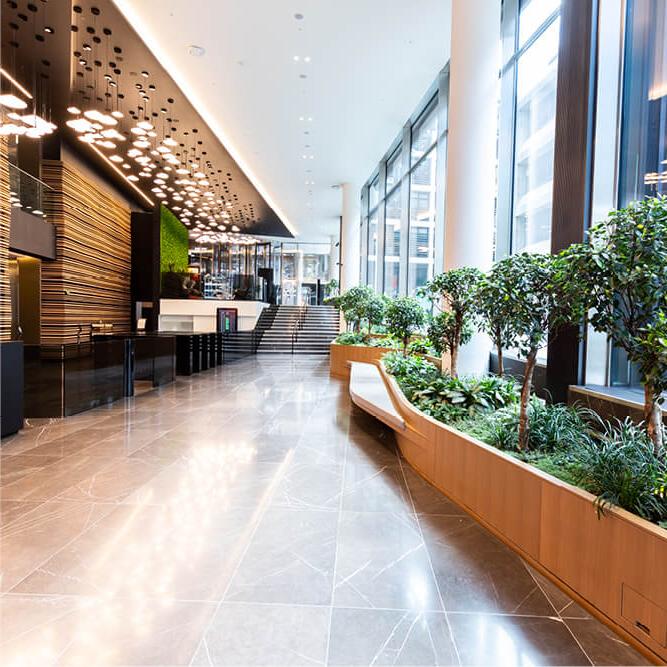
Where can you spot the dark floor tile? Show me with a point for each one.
(487, 639)
(602, 645)
(476, 572)
(426, 498)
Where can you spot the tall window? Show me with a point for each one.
(421, 246)
(643, 145)
(405, 213)
(530, 45)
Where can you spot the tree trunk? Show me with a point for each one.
(524, 426)
(453, 361)
(653, 418)
(501, 367)
(406, 342)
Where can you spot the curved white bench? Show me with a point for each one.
(368, 391)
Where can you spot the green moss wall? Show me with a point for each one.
(173, 242)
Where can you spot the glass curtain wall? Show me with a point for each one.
(527, 125)
(643, 141)
(401, 202)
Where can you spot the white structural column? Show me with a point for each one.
(471, 148)
(350, 242)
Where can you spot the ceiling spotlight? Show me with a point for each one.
(117, 114)
(12, 102)
(145, 125)
(75, 111)
(145, 74)
(79, 125)
(49, 30)
(296, 59)
(138, 130)
(140, 143)
(116, 158)
(306, 59)
(132, 177)
(196, 51)
(126, 165)
(168, 141)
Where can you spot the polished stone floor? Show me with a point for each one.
(250, 515)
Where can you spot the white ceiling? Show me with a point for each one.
(371, 63)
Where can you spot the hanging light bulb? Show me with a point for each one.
(12, 102)
(145, 125)
(75, 111)
(98, 116)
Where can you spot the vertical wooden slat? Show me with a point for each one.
(5, 216)
(90, 279)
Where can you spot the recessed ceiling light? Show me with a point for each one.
(145, 74)
(196, 51)
(48, 29)
(306, 59)
(296, 59)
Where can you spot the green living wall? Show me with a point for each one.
(173, 243)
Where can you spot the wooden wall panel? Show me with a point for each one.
(90, 279)
(5, 216)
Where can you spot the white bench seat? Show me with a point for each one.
(368, 391)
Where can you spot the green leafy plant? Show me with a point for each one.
(494, 307)
(350, 338)
(624, 270)
(403, 317)
(361, 304)
(445, 334)
(454, 291)
(539, 302)
(621, 468)
(420, 346)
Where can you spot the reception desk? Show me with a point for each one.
(199, 315)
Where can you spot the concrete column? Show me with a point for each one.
(471, 149)
(350, 242)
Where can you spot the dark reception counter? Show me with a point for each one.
(62, 380)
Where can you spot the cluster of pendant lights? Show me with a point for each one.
(14, 121)
(194, 199)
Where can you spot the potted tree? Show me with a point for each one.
(494, 307)
(403, 317)
(454, 291)
(624, 270)
(536, 302)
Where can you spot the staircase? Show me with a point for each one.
(298, 329)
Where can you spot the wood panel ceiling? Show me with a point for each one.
(84, 54)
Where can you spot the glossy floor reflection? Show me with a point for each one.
(251, 516)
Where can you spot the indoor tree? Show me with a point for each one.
(404, 316)
(623, 269)
(443, 332)
(454, 291)
(354, 305)
(494, 307)
(537, 303)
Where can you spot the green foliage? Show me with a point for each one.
(495, 312)
(174, 243)
(448, 396)
(624, 269)
(403, 317)
(455, 291)
(420, 346)
(361, 304)
(383, 341)
(620, 467)
(350, 338)
(443, 330)
(553, 428)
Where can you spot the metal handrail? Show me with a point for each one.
(298, 325)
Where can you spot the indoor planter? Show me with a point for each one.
(613, 564)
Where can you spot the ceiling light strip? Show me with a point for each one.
(10, 78)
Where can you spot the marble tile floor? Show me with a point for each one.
(251, 515)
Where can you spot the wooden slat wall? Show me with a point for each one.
(5, 216)
(89, 280)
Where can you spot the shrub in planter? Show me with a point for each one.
(420, 346)
(403, 317)
(361, 304)
(454, 291)
(494, 307)
(623, 269)
(350, 338)
(539, 302)
(620, 467)
(445, 334)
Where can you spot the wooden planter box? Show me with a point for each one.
(340, 357)
(616, 565)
